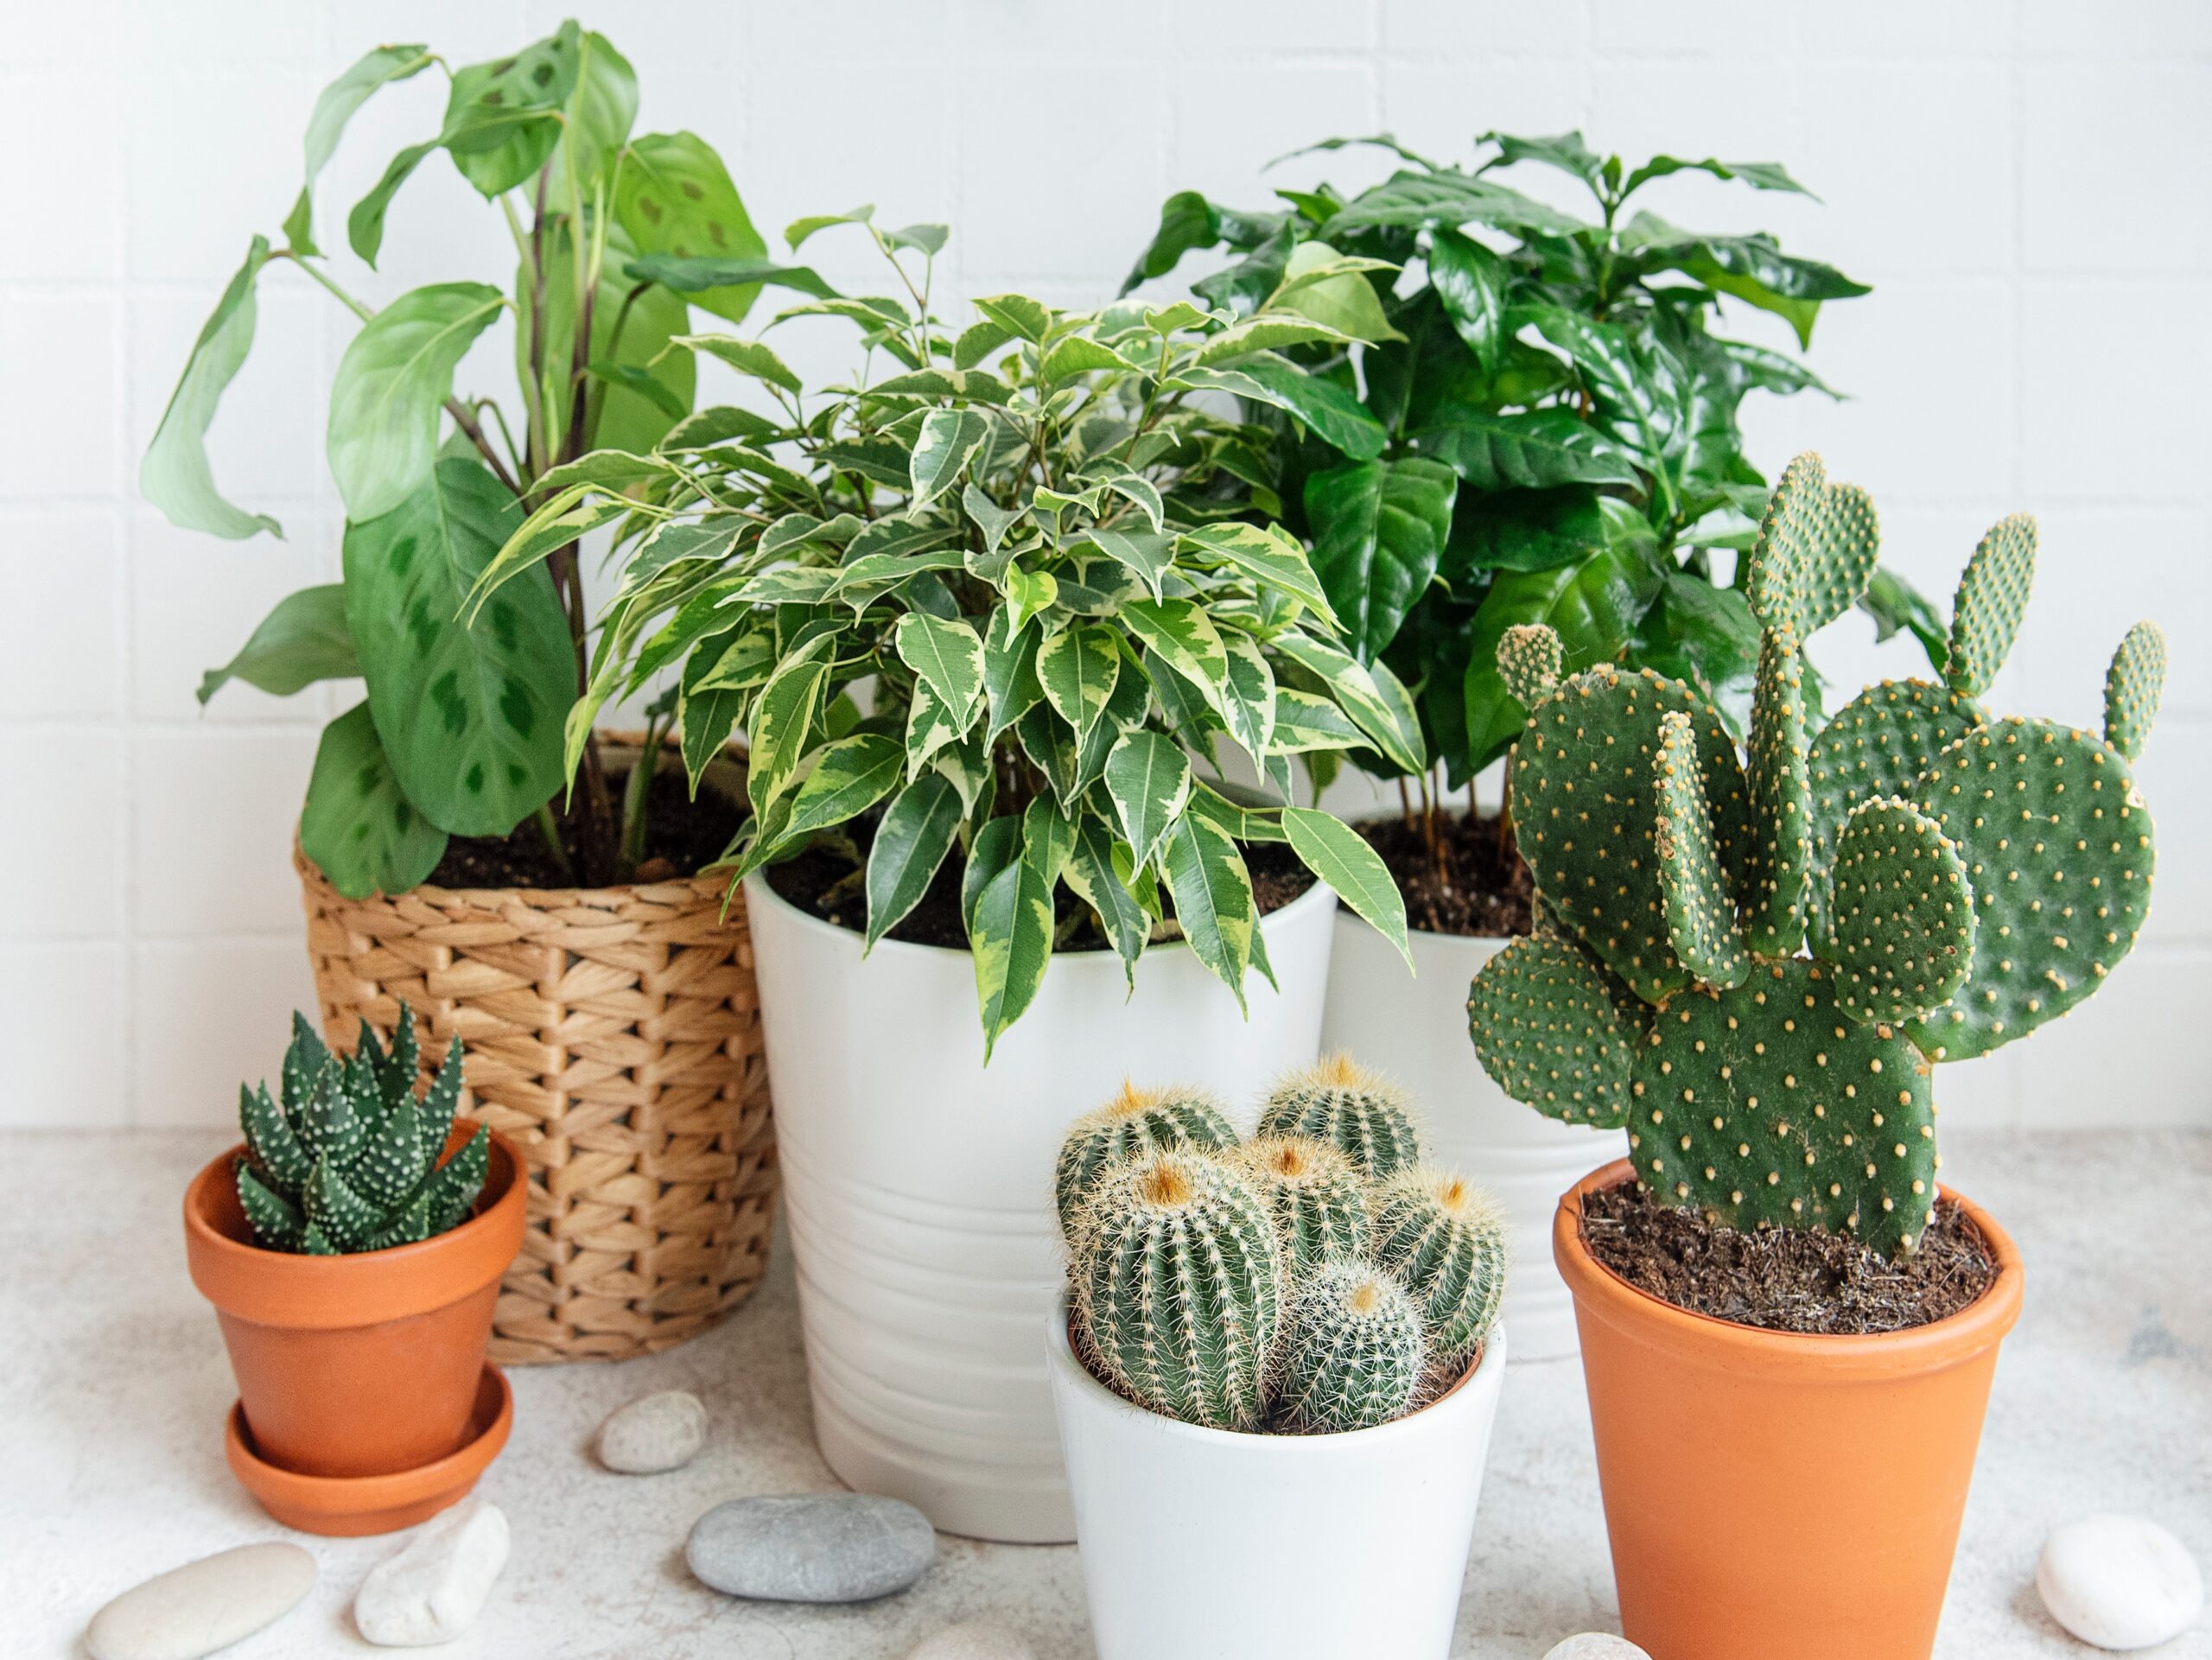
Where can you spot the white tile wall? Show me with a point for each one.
(2021, 179)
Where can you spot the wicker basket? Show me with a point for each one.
(614, 1035)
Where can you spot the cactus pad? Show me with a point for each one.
(1700, 917)
(1777, 874)
(1547, 1033)
(1529, 660)
(1768, 1106)
(2057, 845)
(2133, 686)
(1317, 1194)
(1993, 599)
(1135, 1123)
(1445, 1240)
(1880, 744)
(1178, 1280)
(1583, 783)
(1340, 1103)
(1354, 1351)
(1901, 914)
(1816, 553)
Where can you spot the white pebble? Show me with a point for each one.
(2120, 1583)
(653, 1434)
(1596, 1646)
(202, 1607)
(431, 1589)
(976, 1639)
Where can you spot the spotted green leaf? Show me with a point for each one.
(357, 825)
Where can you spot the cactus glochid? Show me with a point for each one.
(1275, 1282)
(1136, 1121)
(1811, 930)
(1360, 1113)
(348, 1160)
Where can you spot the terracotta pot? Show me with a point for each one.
(365, 1365)
(1768, 1493)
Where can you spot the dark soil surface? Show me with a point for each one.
(682, 836)
(823, 883)
(1469, 884)
(1784, 1279)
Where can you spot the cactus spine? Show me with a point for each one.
(1134, 1122)
(1966, 878)
(1179, 1288)
(1445, 1240)
(1353, 1353)
(348, 1159)
(1358, 1112)
(1316, 1195)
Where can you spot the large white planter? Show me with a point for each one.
(918, 1182)
(1202, 1544)
(1415, 1030)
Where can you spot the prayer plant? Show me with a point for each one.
(1011, 596)
(1540, 429)
(461, 732)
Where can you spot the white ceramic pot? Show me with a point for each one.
(1415, 1030)
(1202, 1544)
(918, 1182)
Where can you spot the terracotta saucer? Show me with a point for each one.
(356, 1504)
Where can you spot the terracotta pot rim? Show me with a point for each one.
(757, 884)
(1723, 1345)
(285, 1288)
(1489, 1360)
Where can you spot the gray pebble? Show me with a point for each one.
(811, 1547)
(1596, 1646)
(203, 1606)
(973, 1640)
(652, 1433)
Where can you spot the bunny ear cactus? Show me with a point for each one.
(348, 1160)
(1954, 881)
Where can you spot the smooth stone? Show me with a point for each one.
(811, 1547)
(431, 1589)
(202, 1607)
(653, 1434)
(2120, 1583)
(973, 1640)
(1596, 1646)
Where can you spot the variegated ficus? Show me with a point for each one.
(1753, 963)
(1007, 602)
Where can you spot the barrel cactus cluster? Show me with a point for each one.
(1316, 1279)
(1753, 962)
(347, 1160)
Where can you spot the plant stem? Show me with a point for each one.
(551, 832)
(636, 791)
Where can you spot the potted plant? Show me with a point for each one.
(353, 1247)
(1272, 1355)
(604, 1002)
(1542, 428)
(987, 616)
(1788, 1327)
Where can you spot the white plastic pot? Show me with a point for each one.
(1202, 1544)
(1416, 1031)
(918, 1182)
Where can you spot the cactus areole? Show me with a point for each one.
(1752, 963)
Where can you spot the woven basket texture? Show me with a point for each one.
(614, 1035)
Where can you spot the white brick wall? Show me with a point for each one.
(2022, 180)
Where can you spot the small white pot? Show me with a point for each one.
(1202, 1544)
(918, 1182)
(1416, 1031)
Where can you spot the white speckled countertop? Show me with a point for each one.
(111, 1465)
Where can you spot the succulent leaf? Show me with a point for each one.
(1769, 1106)
(1354, 1351)
(1445, 1240)
(1583, 794)
(434, 1115)
(451, 1189)
(396, 1070)
(391, 1165)
(1338, 1102)
(1700, 916)
(1529, 659)
(1993, 599)
(346, 1219)
(1135, 1123)
(277, 1221)
(2058, 847)
(275, 1148)
(326, 1122)
(408, 1225)
(1548, 1033)
(1777, 874)
(1901, 914)
(303, 1061)
(1318, 1196)
(2133, 686)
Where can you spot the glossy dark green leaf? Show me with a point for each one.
(1187, 221)
(1334, 413)
(1530, 449)
(1895, 603)
(303, 640)
(1526, 529)
(357, 825)
(1473, 282)
(1379, 530)
(1566, 151)
(1760, 175)
(1752, 268)
(1429, 201)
